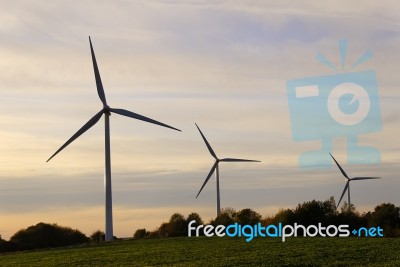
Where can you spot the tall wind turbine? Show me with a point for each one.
(215, 167)
(106, 110)
(348, 180)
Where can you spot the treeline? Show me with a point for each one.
(385, 215)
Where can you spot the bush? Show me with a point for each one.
(140, 233)
(98, 236)
(7, 246)
(45, 235)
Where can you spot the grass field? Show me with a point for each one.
(204, 251)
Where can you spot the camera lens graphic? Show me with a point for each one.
(348, 104)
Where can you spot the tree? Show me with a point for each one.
(163, 229)
(177, 225)
(284, 216)
(247, 216)
(354, 220)
(345, 208)
(194, 216)
(98, 236)
(314, 212)
(231, 212)
(331, 204)
(226, 217)
(387, 216)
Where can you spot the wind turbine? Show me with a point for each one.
(106, 110)
(215, 167)
(348, 180)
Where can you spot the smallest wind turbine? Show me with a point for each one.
(215, 167)
(347, 186)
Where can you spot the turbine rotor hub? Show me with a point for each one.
(107, 109)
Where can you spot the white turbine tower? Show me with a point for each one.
(106, 110)
(215, 167)
(348, 180)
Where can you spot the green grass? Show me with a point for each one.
(204, 251)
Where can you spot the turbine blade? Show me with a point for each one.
(238, 160)
(84, 128)
(99, 85)
(208, 177)
(131, 114)
(344, 191)
(364, 178)
(343, 172)
(207, 144)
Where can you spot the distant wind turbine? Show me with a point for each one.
(106, 110)
(347, 186)
(215, 167)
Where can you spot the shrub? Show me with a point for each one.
(140, 233)
(98, 236)
(45, 235)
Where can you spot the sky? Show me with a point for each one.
(221, 64)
